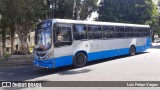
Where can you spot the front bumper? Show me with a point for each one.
(44, 63)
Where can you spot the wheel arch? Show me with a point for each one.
(133, 46)
(81, 51)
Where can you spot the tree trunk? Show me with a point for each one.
(23, 33)
(12, 38)
(24, 47)
(4, 40)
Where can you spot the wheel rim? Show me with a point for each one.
(80, 60)
(132, 51)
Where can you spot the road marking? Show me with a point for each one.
(10, 73)
(2, 73)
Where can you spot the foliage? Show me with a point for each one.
(130, 11)
(84, 9)
(21, 15)
(154, 22)
(72, 9)
(5, 56)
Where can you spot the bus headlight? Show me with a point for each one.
(48, 56)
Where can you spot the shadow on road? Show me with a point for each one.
(155, 47)
(74, 72)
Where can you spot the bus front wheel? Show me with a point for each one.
(79, 60)
(132, 50)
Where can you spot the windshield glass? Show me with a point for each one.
(43, 39)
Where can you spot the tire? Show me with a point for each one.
(132, 51)
(80, 60)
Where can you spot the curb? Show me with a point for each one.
(1, 65)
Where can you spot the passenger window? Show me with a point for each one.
(119, 29)
(137, 32)
(79, 32)
(129, 31)
(94, 32)
(137, 29)
(63, 36)
(145, 32)
(119, 32)
(108, 32)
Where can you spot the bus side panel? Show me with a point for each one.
(114, 47)
(120, 48)
(107, 48)
(129, 42)
(145, 44)
(62, 61)
(95, 51)
(139, 43)
(148, 43)
(63, 55)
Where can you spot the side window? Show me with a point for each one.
(79, 32)
(108, 32)
(119, 32)
(63, 36)
(145, 32)
(129, 31)
(137, 32)
(94, 32)
(119, 29)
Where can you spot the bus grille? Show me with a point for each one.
(40, 55)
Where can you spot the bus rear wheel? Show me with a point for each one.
(132, 51)
(79, 60)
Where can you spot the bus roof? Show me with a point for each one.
(96, 23)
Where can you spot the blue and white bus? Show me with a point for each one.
(61, 42)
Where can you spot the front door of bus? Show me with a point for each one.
(63, 45)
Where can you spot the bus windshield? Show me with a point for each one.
(43, 39)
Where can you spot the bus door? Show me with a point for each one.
(63, 48)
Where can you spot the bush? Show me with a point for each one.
(6, 56)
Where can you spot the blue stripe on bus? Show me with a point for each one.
(67, 60)
(107, 54)
(63, 61)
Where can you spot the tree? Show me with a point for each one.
(154, 22)
(71, 9)
(127, 11)
(20, 16)
(84, 8)
(28, 12)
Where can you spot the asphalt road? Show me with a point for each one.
(141, 67)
